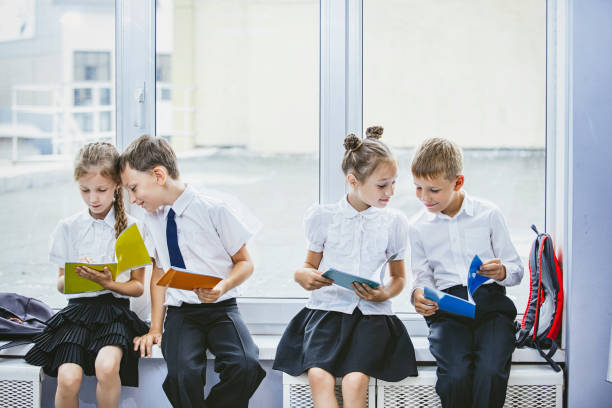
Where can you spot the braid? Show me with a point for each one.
(120, 217)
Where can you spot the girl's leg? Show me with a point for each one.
(108, 389)
(322, 387)
(69, 376)
(354, 390)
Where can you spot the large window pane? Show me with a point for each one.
(237, 97)
(56, 93)
(473, 71)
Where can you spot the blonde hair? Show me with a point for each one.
(437, 156)
(146, 152)
(363, 156)
(105, 157)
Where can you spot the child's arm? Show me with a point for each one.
(60, 280)
(158, 311)
(243, 268)
(380, 294)
(133, 287)
(308, 276)
(422, 275)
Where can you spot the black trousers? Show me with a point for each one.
(191, 329)
(474, 356)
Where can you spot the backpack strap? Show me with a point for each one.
(548, 356)
(15, 343)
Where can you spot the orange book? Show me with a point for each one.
(179, 278)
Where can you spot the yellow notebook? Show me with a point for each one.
(179, 278)
(130, 251)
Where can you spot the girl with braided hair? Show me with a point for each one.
(93, 334)
(341, 332)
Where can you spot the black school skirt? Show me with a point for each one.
(76, 333)
(340, 343)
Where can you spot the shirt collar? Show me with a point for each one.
(182, 202)
(349, 211)
(109, 219)
(467, 207)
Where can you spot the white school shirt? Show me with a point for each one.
(209, 234)
(81, 235)
(442, 248)
(354, 242)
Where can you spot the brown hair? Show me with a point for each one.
(363, 156)
(437, 156)
(104, 156)
(146, 152)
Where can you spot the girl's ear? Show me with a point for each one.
(459, 180)
(160, 174)
(351, 180)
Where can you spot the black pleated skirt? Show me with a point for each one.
(340, 343)
(76, 334)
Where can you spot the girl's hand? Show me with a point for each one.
(211, 295)
(102, 278)
(423, 305)
(493, 269)
(145, 343)
(311, 279)
(366, 292)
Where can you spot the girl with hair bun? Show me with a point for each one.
(345, 333)
(94, 333)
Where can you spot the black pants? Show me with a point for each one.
(191, 329)
(474, 355)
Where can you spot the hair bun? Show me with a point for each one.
(375, 132)
(352, 142)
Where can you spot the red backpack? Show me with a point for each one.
(541, 325)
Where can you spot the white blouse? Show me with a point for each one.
(354, 242)
(442, 247)
(209, 233)
(81, 235)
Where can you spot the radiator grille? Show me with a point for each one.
(17, 394)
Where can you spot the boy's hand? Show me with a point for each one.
(366, 292)
(145, 343)
(311, 279)
(493, 269)
(101, 278)
(211, 295)
(423, 305)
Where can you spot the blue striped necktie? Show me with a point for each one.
(176, 258)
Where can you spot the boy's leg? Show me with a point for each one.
(184, 349)
(69, 377)
(494, 344)
(236, 360)
(322, 385)
(450, 342)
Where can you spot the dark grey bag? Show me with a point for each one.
(21, 318)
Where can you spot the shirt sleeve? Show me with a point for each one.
(398, 238)
(58, 245)
(314, 228)
(504, 249)
(422, 274)
(231, 230)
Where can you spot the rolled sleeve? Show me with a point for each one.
(315, 233)
(398, 239)
(58, 245)
(504, 249)
(231, 230)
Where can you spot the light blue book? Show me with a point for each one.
(345, 279)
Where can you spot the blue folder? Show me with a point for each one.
(475, 279)
(345, 279)
(450, 303)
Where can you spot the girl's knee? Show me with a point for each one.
(355, 382)
(107, 368)
(317, 377)
(69, 378)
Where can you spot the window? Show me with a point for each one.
(50, 112)
(474, 72)
(242, 115)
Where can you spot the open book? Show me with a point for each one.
(454, 304)
(180, 278)
(345, 279)
(130, 251)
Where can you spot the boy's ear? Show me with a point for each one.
(459, 180)
(161, 174)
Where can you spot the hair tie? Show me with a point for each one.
(354, 149)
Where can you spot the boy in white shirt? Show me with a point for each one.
(473, 356)
(198, 233)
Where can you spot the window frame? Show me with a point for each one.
(340, 113)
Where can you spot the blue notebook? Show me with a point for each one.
(450, 303)
(345, 279)
(474, 279)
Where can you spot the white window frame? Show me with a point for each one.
(340, 113)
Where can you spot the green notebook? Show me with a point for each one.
(130, 251)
